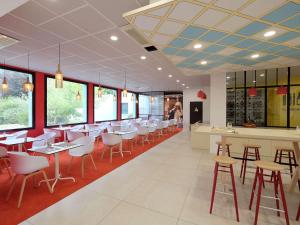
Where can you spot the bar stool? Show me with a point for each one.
(219, 143)
(221, 164)
(249, 155)
(275, 169)
(286, 153)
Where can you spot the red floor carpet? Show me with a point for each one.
(36, 199)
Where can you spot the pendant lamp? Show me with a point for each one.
(125, 90)
(59, 77)
(281, 90)
(4, 85)
(28, 85)
(78, 96)
(99, 89)
(201, 94)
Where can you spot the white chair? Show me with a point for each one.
(111, 141)
(72, 135)
(4, 158)
(109, 128)
(44, 139)
(57, 133)
(143, 133)
(165, 125)
(116, 127)
(159, 128)
(77, 127)
(115, 123)
(83, 151)
(17, 135)
(129, 138)
(152, 131)
(22, 164)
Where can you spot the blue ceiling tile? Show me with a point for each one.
(214, 48)
(193, 32)
(185, 53)
(242, 53)
(292, 23)
(277, 48)
(266, 58)
(213, 36)
(230, 40)
(170, 51)
(219, 58)
(288, 10)
(253, 28)
(286, 37)
(246, 43)
(200, 55)
(180, 42)
(263, 46)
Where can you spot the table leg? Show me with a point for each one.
(57, 175)
(65, 136)
(20, 147)
(296, 174)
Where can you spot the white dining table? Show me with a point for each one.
(64, 130)
(55, 149)
(5, 135)
(262, 134)
(19, 142)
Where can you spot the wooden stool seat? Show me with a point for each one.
(220, 148)
(220, 143)
(251, 146)
(224, 160)
(269, 165)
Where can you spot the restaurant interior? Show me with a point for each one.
(152, 112)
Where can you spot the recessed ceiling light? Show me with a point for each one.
(269, 33)
(170, 75)
(183, 84)
(262, 75)
(187, 87)
(143, 57)
(159, 68)
(254, 81)
(177, 81)
(254, 56)
(197, 46)
(114, 38)
(203, 62)
(227, 77)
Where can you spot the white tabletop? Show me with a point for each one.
(119, 132)
(5, 135)
(62, 128)
(255, 133)
(19, 141)
(55, 148)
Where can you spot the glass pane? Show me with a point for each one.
(240, 79)
(240, 107)
(271, 77)
(260, 78)
(105, 107)
(144, 106)
(282, 76)
(295, 106)
(295, 75)
(63, 106)
(250, 78)
(157, 105)
(128, 106)
(230, 109)
(277, 77)
(15, 105)
(277, 108)
(230, 80)
(256, 107)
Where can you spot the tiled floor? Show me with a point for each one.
(168, 185)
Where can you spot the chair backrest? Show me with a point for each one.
(142, 130)
(152, 128)
(165, 123)
(57, 132)
(111, 139)
(3, 151)
(73, 135)
(96, 133)
(23, 163)
(109, 128)
(41, 142)
(116, 127)
(115, 123)
(18, 134)
(87, 145)
(130, 136)
(77, 127)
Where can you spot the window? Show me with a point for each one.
(277, 108)
(157, 105)
(105, 107)
(16, 106)
(63, 106)
(144, 106)
(128, 106)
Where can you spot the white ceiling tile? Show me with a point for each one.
(82, 52)
(171, 28)
(233, 23)
(259, 8)
(210, 18)
(232, 4)
(176, 59)
(33, 13)
(61, 7)
(161, 39)
(228, 51)
(159, 11)
(185, 11)
(63, 28)
(294, 42)
(146, 22)
(88, 19)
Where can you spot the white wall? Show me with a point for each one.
(190, 95)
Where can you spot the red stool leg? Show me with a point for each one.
(290, 164)
(228, 150)
(218, 152)
(214, 187)
(243, 161)
(298, 214)
(276, 192)
(245, 166)
(234, 194)
(278, 177)
(253, 188)
(260, 182)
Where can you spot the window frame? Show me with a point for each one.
(46, 101)
(94, 96)
(136, 104)
(33, 107)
